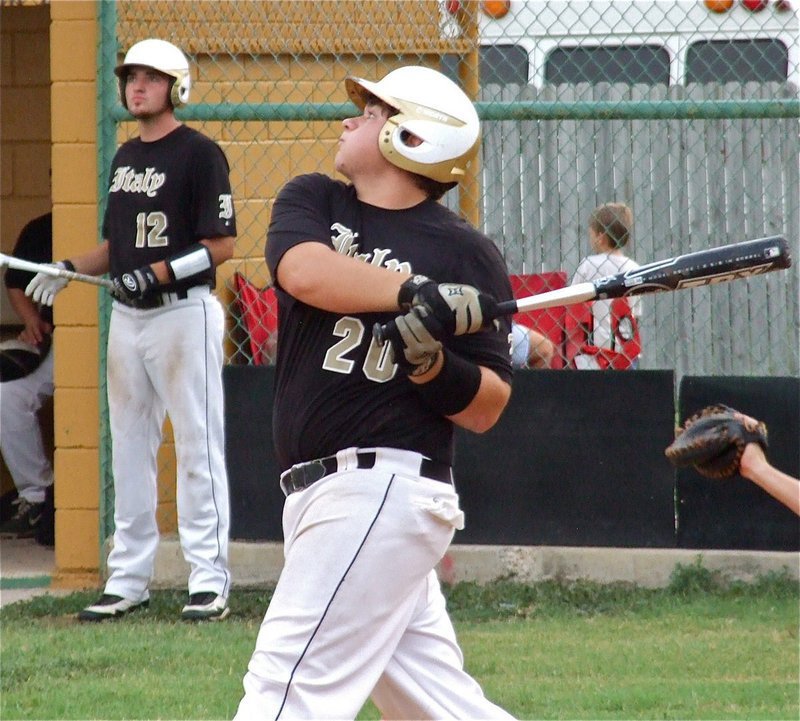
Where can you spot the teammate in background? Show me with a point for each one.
(529, 348)
(169, 222)
(365, 443)
(609, 232)
(755, 467)
(21, 398)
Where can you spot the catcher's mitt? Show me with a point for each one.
(713, 441)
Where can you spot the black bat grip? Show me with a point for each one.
(506, 307)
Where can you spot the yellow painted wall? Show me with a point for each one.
(24, 126)
(74, 188)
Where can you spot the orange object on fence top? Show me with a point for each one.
(719, 6)
(496, 9)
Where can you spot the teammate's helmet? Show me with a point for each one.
(432, 107)
(164, 57)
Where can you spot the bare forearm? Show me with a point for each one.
(488, 405)
(779, 485)
(24, 307)
(94, 261)
(320, 277)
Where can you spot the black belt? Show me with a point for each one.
(302, 475)
(158, 300)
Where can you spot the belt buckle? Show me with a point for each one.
(150, 301)
(304, 474)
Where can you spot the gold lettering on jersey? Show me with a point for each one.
(344, 241)
(127, 180)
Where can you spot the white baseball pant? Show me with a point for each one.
(358, 610)
(21, 434)
(168, 359)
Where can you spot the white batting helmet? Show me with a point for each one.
(164, 57)
(430, 106)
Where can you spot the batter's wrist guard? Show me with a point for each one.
(454, 387)
(409, 290)
(193, 261)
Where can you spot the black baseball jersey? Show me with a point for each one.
(163, 196)
(335, 387)
(35, 243)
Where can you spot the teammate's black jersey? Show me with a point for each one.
(335, 387)
(35, 243)
(164, 196)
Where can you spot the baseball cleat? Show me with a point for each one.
(205, 606)
(24, 522)
(110, 606)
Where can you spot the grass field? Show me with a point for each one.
(699, 649)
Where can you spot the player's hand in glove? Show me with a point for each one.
(43, 288)
(414, 338)
(459, 308)
(133, 286)
(714, 440)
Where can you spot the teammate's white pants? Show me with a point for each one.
(168, 359)
(358, 610)
(21, 434)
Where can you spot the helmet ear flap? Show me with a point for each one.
(121, 87)
(179, 93)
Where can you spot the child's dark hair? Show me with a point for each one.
(615, 221)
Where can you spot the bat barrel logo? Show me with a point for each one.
(706, 267)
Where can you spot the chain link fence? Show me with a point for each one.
(685, 111)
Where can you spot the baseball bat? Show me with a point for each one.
(20, 264)
(690, 270)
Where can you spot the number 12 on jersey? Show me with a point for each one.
(150, 230)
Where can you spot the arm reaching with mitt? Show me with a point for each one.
(720, 442)
(755, 467)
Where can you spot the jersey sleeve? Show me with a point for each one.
(300, 214)
(213, 201)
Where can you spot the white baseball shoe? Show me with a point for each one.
(205, 606)
(111, 606)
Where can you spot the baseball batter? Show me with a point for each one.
(364, 432)
(169, 222)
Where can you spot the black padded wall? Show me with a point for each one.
(256, 497)
(577, 459)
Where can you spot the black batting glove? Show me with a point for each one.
(133, 286)
(415, 340)
(458, 307)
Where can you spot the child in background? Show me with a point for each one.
(609, 232)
